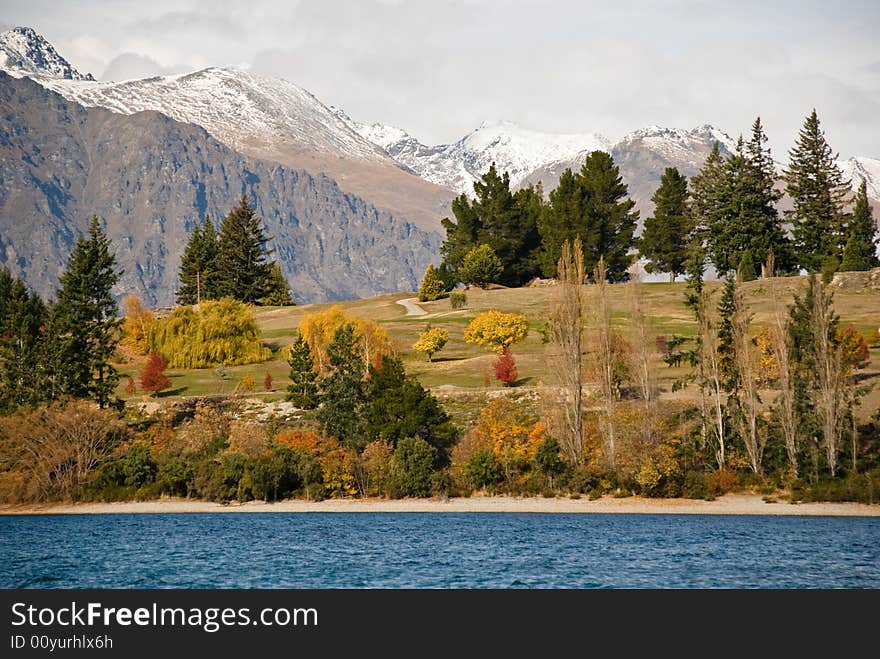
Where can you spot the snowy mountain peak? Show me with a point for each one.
(705, 133)
(24, 52)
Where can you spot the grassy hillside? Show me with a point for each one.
(459, 372)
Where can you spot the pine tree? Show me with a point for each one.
(432, 287)
(505, 221)
(727, 308)
(818, 192)
(745, 271)
(665, 235)
(343, 394)
(83, 322)
(397, 407)
(198, 266)
(594, 206)
(481, 267)
(242, 270)
(705, 195)
(860, 252)
(276, 290)
(742, 216)
(22, 324)
(303, 389)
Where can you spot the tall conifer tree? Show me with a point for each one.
(242, 269)
(860, 252)
(818, 191)
(84, 323)
(22, 324)
(664, 240)
(198, 265)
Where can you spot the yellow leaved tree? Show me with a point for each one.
(431, 340)
(138, 321)
(318, 329)
(496, 330)
(221, 332)
(513, 435)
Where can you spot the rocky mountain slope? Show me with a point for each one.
(266, 118)
(151, 179)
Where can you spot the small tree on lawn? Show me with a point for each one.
(496, 329)
(153, 378)
(267, 381)
(247, 382)
(431, 340)
(130, 386)
(432, 287)
(481, 266)
(505, 367)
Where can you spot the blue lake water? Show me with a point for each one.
(416, 550)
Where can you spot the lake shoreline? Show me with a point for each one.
(730, 504)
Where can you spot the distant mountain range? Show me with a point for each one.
(354, 208)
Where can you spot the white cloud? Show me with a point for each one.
(438, 69)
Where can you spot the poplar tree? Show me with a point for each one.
(860, 252)
(665, 236)
(84, 324)
(818, 192)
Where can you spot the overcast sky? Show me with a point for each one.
(439, 68)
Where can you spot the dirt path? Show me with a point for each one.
(412, 309)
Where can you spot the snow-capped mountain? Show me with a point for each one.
(24, 52)
(860, 168)
(516, 150)
(259, 116)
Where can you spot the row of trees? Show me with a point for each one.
(521, 235)
(791, 390)
(232, 262)
(730, 212)
(64, 348)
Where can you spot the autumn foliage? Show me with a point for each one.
(319, 328)
(153, 378)
(496, 330)
(431, 340)
(505, 367)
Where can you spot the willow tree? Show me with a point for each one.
(221, 332)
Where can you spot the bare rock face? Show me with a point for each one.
(868, 280)
(151, 180)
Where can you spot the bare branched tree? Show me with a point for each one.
(780, 344)
(748, 402)
(605, 354)
(641, 333)
(830, 376)
(566, 353)
(710, 366)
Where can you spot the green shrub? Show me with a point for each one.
(138, 466)
(458, 299)
(414, 460)
(483, 469)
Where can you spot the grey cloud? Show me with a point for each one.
(128, 66)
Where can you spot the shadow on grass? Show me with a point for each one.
(171, 392)
(437, 360)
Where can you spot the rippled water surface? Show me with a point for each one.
(421, 550)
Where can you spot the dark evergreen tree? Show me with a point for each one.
(198, 266)
(664, 240)
(505, 221)
(726, 350)
(398, 407)
(276, 290)
(343, 392)
(705, 195)
(742, 216)
(303, 389)
(593, 205)
(242, 270)
(745, 271)
(818, 192)
(860, 252)
(83, 322)
(22, 325)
